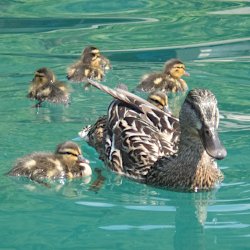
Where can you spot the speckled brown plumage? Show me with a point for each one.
(94, 134)
(135, 143)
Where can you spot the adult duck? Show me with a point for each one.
(168, 81)
(145, 144)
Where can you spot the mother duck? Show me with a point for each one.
(150, 146)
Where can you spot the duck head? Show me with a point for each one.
(199, 116)
(71, 154)
(159, 99)
(175, 68)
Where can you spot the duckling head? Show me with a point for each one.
(44, 75)
(71, 155)
(159, 99)
(90, 54)
(91, 50)
(175, 68)
(199, 117)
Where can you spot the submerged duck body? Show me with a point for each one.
(145, 143)
(66, 162)
(92, 65)
(45, 87)
(167, 81)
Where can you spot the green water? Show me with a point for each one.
(212, 38)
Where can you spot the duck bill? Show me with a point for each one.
(212, 144)
(186, 73)
(81, 159)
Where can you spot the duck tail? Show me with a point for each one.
(127, 97)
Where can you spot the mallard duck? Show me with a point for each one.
(91, 65)
(94, 134)
(66, 162)
(167, 81)
(151, 146)
(45, 87)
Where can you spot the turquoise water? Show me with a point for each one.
(212, 38)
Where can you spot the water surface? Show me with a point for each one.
(213, 40)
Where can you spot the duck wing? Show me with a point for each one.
(137, 134)
(132, 145)
(164, 121)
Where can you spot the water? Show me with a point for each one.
(212, 38)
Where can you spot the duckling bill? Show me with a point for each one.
(45, 87)
(66, 162)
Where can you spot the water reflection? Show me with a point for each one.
(217, 51)
(28, 25)
(184, 212)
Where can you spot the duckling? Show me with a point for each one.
(94, 134)
(45, 87)
(66, 162)
(153, 147)
(91, 65)
(167, 81)
(159, 99)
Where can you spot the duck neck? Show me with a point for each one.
(190, 169)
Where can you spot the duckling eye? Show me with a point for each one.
(69, 153)
(158, 102)
(180, 67)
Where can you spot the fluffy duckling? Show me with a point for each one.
(92, 65)
(94, 134)
(45, 87)
(159, 99)
(167, 81)
(66, 162)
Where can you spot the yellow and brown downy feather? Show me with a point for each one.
(144, 143)
(167, 81)
(66, 162)
(45, 87)
(92, 65)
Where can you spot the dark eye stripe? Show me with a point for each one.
(157, 101)
(68, 153)
(179, 67)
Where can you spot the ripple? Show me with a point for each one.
(236, 11)
(31, 25)
(225, 50)
(226, 225)
(95, 204)
(152, 208)
(234, 121)
(229, 208)
(130, 227)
